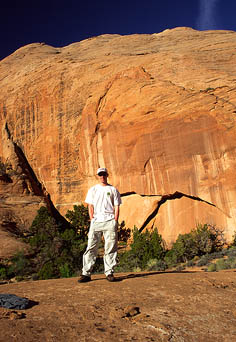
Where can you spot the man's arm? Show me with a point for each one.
(117, 212)
(91, 211)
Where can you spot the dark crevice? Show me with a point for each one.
(124, 194)
(128, 193)
(97, 127)
(146, 163)
(38, 190)
(28, 171)
(11, 227)
(150, 195)
(7, 130)
(176, 195)
(100, 101)
(164, 198)
(5, 178)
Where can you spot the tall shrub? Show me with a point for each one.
(202, 240)
(79, 219)
(144, 247)
(55, 251)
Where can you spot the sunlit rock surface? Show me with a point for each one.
(157, 110)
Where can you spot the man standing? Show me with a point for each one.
(103, 202)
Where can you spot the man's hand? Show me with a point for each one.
(91, 211)
(117, 212)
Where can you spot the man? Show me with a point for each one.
(103, 202)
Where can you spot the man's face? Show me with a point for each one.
(103, 177)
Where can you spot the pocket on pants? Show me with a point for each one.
(111, 235)
(91, 234)
(115, 224)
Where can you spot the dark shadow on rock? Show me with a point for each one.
(140, 275)
(147, 274)
(32, 303)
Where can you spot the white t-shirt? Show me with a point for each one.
(103, 199)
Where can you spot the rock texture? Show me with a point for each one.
(21, 196)
(159, 307)
(157, 110)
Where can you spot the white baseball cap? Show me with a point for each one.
(102, 169)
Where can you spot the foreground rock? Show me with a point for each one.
(157, 110)
(185, 306)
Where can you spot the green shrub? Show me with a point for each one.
(218, 255)
(147, 245)
(211, 268)
(232, 262)
(20, 265)
(171, 258)
(202, 240)
(55, 250)
(190, 263)
(123, 232)
(127, 262)
(79, 219)
(222, 264)
(65, 270)
(205, 260)
(46, 271)
(144, 247)
(156, 265)
(61, 249)
(3, 272)
(231, 252)
(43, 230)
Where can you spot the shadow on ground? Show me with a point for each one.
(141, 275)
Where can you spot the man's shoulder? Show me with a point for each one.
(94, 187)
(113, 188)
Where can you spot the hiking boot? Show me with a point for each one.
(111, 277)
(84, 279)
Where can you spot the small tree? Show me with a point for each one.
(55, 250)
(202, 240)
(144, 247)
(44, 229)
(79, 219)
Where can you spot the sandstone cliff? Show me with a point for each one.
(21, 196)
(157, 110)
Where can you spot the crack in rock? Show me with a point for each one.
(164, 198)
(176, 195)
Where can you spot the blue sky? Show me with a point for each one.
(59, 23)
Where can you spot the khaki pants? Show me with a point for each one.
(109, 231)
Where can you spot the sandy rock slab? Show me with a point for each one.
(156, 306)
(11, 314)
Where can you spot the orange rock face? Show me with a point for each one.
(157, 110)
(19, 201)
(21, 197)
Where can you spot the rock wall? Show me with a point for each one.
(21, 197)
(157, 110)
